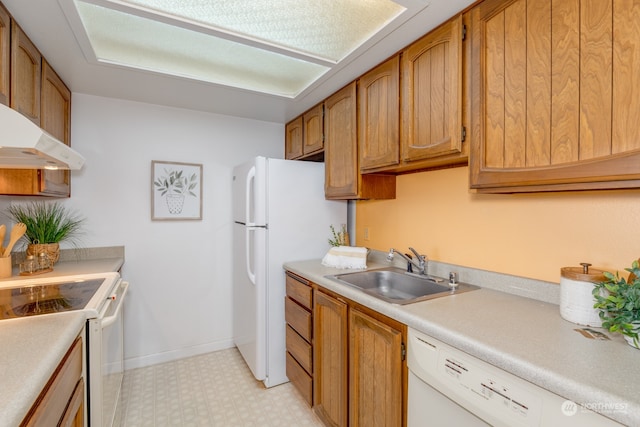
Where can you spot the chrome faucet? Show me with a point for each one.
(420, 262)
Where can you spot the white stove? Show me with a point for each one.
(101, 297)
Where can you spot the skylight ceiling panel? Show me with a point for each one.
(132, 41)
(328, 29)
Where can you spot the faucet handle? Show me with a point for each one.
(419, 256)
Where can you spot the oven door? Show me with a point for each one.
(105, 354)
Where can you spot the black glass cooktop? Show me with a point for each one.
(45, 299)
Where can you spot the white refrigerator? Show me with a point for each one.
(280, 214)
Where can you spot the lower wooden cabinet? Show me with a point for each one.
(346, 360)
(299, 362)
(359, 364)
(330, 352)
(376, 356)
(61, 402)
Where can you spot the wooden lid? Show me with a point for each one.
(583, 274)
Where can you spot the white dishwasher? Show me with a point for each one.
(448, 387)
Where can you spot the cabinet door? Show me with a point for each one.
(342, 175)
(379, 116)
(293, 139)
(552, 106)
(56, 119)
(330, 359)
(61, 398)
(341, 149)
(432, 94)
(25, 75)
(313, 130)
(375, 372)
(5, 46)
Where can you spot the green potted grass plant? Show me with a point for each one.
(619, 303)
(48, 225)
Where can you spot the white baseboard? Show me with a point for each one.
(169, 356)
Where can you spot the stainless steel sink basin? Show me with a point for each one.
(394, 285)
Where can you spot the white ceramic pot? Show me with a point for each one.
(634, 342)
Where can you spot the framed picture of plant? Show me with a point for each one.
(176, 191)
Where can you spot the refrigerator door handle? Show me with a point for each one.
(247, 255)
(248, 194)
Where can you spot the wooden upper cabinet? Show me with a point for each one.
(5, 58)
(56, 120)
(342, 174)
(26, 70)
(312, 122)
(554, 95)
(432, 88)
(341, 144)
(379, 116)
(304, 138)
(293, 139)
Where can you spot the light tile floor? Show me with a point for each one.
(214, 389)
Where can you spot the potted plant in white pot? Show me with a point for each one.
(48, 224)
(619, 303)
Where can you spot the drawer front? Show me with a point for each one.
(53, 401)
(298, 318)
(299, 292)
(300, 379)
(300, 349)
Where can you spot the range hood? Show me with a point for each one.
(23, 145)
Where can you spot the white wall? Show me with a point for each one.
(180, 271)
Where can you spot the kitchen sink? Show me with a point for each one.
(397, 286)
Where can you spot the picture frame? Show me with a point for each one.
(176, 191)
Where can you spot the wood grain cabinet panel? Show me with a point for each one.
(299, 290)
(551, 85)
(299, 334)
(360, 370)
(375, 372)
(26, 78)
(298, 318)
(432, 89)
(330, 347)
(293, 139)
(341, 144)
(379, 116)
(63, 397)
(313, 135)
(304, 135)
(5, 55)
(343, 180)
(300, 378)
(55, 118)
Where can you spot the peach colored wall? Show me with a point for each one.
(530, 235)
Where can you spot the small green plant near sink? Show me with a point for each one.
(340, 238)
(619, 303)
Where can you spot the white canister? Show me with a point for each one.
(576, 294)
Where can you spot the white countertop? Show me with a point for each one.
(523, 336)
(30, 350)
(32, 347)
(72, 267)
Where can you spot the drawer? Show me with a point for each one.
(300, 349)
(300, 379)
(298, 318)
(299, 291)
(54, 399)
